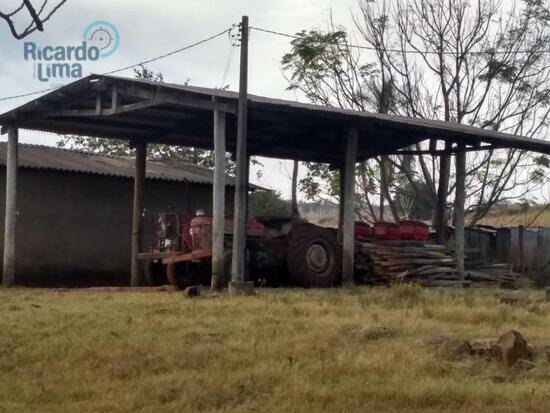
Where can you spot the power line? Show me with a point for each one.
(131, 66)
(390, 50)
(169, 53)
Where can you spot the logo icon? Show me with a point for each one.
(103, 35)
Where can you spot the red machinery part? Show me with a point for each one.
(386, 231)
(362, 230)
(413, 230)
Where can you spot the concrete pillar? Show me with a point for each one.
(349, 208)
(218, 200)
(8, 279)
(460, 199)
(137, 212)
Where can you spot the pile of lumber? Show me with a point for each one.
(394, 262)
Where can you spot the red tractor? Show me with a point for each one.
(279, 251)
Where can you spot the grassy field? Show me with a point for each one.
(279, 351)
(514, 216)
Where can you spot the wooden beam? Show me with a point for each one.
(114, 98)
(8, 274)
(137, 212)
(349, 208)
(218, 201)
(182, 98)
(460, 199)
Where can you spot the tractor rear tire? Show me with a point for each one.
(313, 257)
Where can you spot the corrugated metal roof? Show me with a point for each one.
(66, 160)
(432, 125)
(182, 115)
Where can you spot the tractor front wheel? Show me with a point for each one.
(313, 257)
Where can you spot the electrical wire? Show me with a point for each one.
(390, 50)
(227, 65)
(131, 66)
(169, 53)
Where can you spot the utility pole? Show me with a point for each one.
(238, 284)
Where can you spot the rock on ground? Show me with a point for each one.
(455, 349)
(511, 347)
(192, 291)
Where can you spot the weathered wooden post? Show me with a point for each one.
(238, 284)
(521, 245)
(349, 208)
(460, 199)
(342, 196)
(137, 212)
(442, 191)
(8, 279)
(218, 200)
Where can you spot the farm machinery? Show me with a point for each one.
(279, 251)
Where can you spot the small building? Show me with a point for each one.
(75, 211)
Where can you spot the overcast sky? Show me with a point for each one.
(150, 28)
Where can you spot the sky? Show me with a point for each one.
(151, 28)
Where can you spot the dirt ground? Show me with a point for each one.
(115, 350)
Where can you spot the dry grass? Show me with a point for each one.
(514, 216)
(282, 350)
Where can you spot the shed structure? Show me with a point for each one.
(75, 212)
(144, 112)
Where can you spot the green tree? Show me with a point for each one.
(465, 61)
(269, 203)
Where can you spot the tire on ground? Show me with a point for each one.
(313, 257)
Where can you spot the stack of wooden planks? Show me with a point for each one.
(393, 262)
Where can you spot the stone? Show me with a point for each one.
(455, 349)
(371, 332)
(511, 347)
(192, 291)
(437, 339)
(241, 288)
(481, 347)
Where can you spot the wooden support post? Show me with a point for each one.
(460, 199)
(137, 212)
(521, 245)
(218, 200)
(342, 196)
(349, 208)
(442, 192)
(8, 278)
(238, 284)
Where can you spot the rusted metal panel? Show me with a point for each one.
(57, 159)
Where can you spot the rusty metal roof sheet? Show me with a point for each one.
(66, 160)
